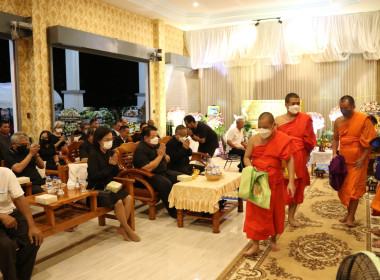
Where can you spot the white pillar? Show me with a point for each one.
(142, 85)
(73, 96)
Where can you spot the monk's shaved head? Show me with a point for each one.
(290, 95)
(348, 98)
(266, 116)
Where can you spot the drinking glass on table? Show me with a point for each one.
(83, 186)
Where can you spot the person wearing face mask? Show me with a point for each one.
(59, 139)
(353, 131)
(265, 151)
(122, 138)
(299, 126)
(179, 151)
(151, 156)
(102, 167)
(23, 160)
(47, 150)
(86, 147)
(235, 142)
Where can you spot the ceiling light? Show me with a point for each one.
(279, 20)
(195, 4)
(257, 23)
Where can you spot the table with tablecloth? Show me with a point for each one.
(318, 158)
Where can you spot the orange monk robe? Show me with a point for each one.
(354, 137)
(301, 131)
(376, 201)
(261, 223)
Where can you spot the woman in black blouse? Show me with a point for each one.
(102, 167)
(47, 150)
(59, 138)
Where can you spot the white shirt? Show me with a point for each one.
(236, 136)
(117, 132)
(9, 187)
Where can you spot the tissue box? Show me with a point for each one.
(184, 178)
(114, 186)
(46, 199)
(23, 180)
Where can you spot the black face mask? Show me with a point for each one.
(346, 112)
(22, 149)
(44, 141)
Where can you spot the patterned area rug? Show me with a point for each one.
(315, 248)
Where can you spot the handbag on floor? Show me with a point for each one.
(254, 186)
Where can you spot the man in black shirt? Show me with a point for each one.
(202, 133)
(23, 160)
(5, 140)
(122, 138)
(178, 148)
(86, 146)
(151, 156)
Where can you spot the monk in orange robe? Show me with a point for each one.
(299, 126)
(376, 207)
(354, 131)
(265, 151)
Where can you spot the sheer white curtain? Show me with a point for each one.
(326, 39)
(320, 85)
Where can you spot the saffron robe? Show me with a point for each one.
(354, 136)
(261, 223)
(376, 201)
(301, 131)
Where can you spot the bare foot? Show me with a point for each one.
(351, 223)
(134, 236)
(122, 232)
(344, 220)
(375, 231)
(273, 246)
(293, 223)
(376, 244)
(253, 251)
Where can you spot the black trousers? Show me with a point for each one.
(16, 264)
(162, 183)
(240, 153)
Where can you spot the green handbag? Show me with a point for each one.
(254, 186)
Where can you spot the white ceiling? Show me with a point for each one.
(211, 13)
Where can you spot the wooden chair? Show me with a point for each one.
(71, 152)
(164, 139)
(146, 195)
(127, 186)
(72, 137)
(26, 186)
(198, 156)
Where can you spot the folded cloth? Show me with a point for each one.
(338, 171)
(23, 180)
(77, 173)
(46, 198)
(184, 178)
(113, 186)
(254, 186)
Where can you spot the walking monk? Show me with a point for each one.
(376, 208)
(299, 126)
(354, 131)
(265, 151)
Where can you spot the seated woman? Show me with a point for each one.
(47, 150)
(59, 138)
(102, 167)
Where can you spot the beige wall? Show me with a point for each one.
(92, 16)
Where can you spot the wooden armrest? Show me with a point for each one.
(135, 171)
(127, 184)
(51, 172)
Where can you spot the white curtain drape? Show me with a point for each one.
(320, 85)
(325, 39)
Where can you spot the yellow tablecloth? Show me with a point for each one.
(201, 195)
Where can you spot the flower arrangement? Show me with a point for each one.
(371, 106)
(318, 120)
(132, 111)
(335, 113)
(103, 116)
(133, 127)
(323, 143)
(197, 116)
(69, 127)
(216, 123)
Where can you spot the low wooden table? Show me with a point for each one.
(63, 214)
(199, 199)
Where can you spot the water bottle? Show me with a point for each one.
(209, 169)
(60, 192)
(54, 183)
(49, 184)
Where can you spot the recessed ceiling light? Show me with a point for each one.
(195, 4)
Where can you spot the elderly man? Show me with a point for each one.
(86, 147)
(20, 239)
(202, 133)
(124, 121)
(353, 131)
(178, 148)
(23, 160)
(151, 156)
(122, 138)
(116, 129)
(235, 142)
(5, 140)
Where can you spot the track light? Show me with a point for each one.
(257, 23)
(267, 19)
(279, 20)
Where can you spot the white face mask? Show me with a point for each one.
(107, 145)
(294, 109)
(182, 139)
(154, 141)
(264, 132)
(59, 130)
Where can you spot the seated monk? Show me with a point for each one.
(265, 151)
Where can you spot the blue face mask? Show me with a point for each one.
(346, 112)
